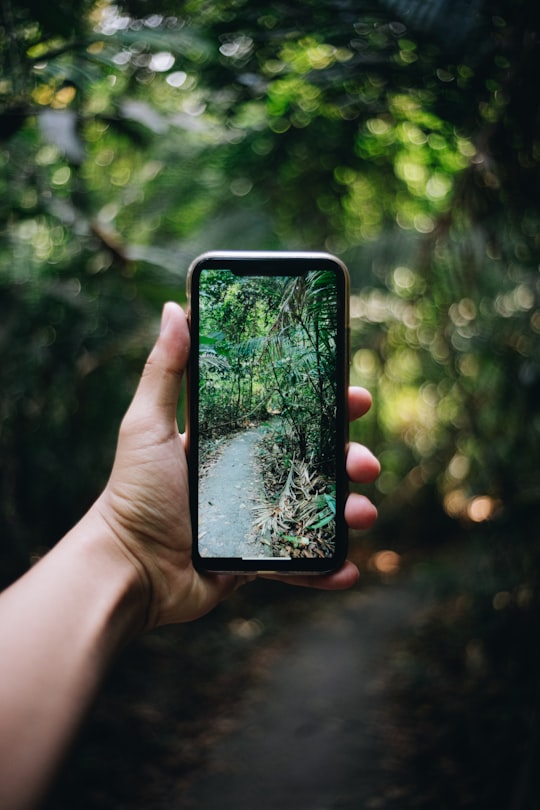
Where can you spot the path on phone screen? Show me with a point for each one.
(227, 497)
(309, 733)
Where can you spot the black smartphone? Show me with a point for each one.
(267, 411)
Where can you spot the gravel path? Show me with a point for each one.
(227, 497)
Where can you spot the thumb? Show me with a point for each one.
(159, 387)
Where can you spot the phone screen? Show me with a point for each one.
(267, 411)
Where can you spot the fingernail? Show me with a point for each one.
(165, 317)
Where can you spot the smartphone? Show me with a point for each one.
(267, 411)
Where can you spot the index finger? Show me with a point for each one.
(359, 402)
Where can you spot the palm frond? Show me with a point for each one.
(302, 510)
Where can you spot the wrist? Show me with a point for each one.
(111, 578)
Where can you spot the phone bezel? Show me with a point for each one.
(271, 263)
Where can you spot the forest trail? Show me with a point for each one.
(310, 733)
(228, 495)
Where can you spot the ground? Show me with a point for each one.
(309, 732)
(228, 495)
(276, 700)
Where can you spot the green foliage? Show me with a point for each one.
(268, 345)
(134, 137)
(402, 135)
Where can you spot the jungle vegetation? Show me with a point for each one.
(268, 355)
(403, 136)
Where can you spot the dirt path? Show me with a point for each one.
(227, 498)
(310, 733)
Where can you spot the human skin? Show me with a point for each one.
(124, 569)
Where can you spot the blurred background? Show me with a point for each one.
(402, 136)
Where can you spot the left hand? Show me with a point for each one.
(145, 504)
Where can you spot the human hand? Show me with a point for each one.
(145, 504)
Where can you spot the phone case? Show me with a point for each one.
(267, 411)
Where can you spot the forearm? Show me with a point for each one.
(60, 625)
